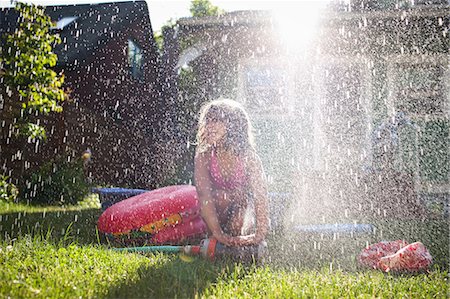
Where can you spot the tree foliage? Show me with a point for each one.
(57, 182)
(203, 8)
(159, 36)
(8, 191)
(27, 59)
(199, 8)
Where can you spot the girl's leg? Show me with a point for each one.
(231, 209)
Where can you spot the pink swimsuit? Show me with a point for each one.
(239, 178)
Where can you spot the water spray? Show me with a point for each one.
(208, 248)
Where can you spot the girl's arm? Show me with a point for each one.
(259, 189)
(205, 196)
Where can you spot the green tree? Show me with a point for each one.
(27, 61)
(199, 8)
(203, 8)
(159, 37)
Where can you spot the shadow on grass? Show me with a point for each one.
(78, 226)
(173, 279)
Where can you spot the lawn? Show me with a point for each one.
(51, 252)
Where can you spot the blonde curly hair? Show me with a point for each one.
(239, 136)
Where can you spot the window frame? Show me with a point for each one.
(135, 63)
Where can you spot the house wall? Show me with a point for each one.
(113, 114)
(118, 113)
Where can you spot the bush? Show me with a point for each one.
(59, 182)
(8, 191)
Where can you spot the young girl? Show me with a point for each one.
(228, 174)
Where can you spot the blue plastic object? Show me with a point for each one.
(110, 196)
(335, 228)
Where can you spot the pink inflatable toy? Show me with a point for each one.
(166, 215)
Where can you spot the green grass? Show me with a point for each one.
(52, 252)
(39, 268)
(268, 283)
(90, 202)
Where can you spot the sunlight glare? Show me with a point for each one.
(297, 24)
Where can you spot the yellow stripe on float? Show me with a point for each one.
(156, 226)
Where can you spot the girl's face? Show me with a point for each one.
(215, 131)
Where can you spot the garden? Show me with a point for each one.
(51, 246)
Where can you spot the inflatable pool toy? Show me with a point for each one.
(162, 216)
(396, 256)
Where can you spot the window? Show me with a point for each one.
(418, 86)
(419, 89)
(135, 60)
(265, 89)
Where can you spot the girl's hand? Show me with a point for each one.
(223, 238)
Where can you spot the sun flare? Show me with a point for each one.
(297, 22)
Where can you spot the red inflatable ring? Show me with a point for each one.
(166, 215)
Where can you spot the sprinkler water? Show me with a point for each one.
(208, 248)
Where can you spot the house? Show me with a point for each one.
(317, 106)
(111, 65)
